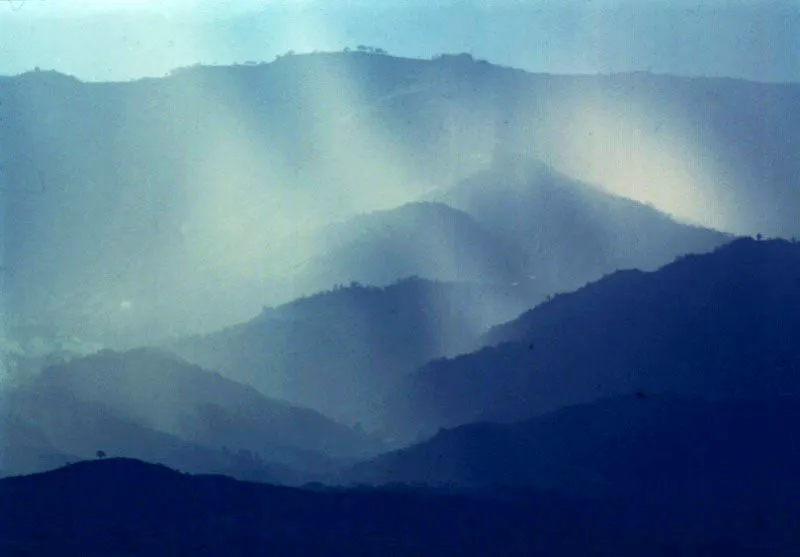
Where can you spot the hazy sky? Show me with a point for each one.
(124, 39)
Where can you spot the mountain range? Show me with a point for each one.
(458, 308)
(337, 351)
(525, 235)
(153, 405)
(567, 232)
(518, 222)
(663, 450)
(158, 208)
(716, 325)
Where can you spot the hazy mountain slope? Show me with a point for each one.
(539, 231)
(25, 447)
(165, 393)
(338, 351)
(140, 191)
(148, 209)
(45, 427)
(652, 448)
(429, 240)
(568, 232)
(720, 324)
(123, 506)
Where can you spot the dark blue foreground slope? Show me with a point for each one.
(127, 507)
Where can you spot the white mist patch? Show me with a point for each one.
(641, 150)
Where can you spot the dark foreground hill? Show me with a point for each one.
(717, 325)
(126, 507)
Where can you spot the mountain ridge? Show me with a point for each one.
(336, 351)
(92, 171)
(623, 334)
(643, 447)
(86, 509)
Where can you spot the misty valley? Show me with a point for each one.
(348, 303)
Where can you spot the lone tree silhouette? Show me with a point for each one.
(100, 454)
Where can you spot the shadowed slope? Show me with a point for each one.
(569, 233)
(130, 507)
(44, 427)
(429, 240)
(161, 391)
(648, 448)
(722, 324)
(337, 351)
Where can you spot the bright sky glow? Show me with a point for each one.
(124, 39)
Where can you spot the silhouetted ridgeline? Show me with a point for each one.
(338, 351)
(41, 429)
(168, 393)
(425, 239)
(686, 453)
(532, 233)
(133, 508)
(718, 325)
(566, 233)
(152, 405)
(516, 223)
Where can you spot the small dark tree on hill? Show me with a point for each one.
(100, 454)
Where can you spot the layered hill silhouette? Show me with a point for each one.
(166, 392)
(529, 234)
(519, 222)
(154, 208)
(337, 351)
(151, 404)
(121, 506)
(716, 325)
(43, 428)
(659, 449)
(567, 233)
(429, 240)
